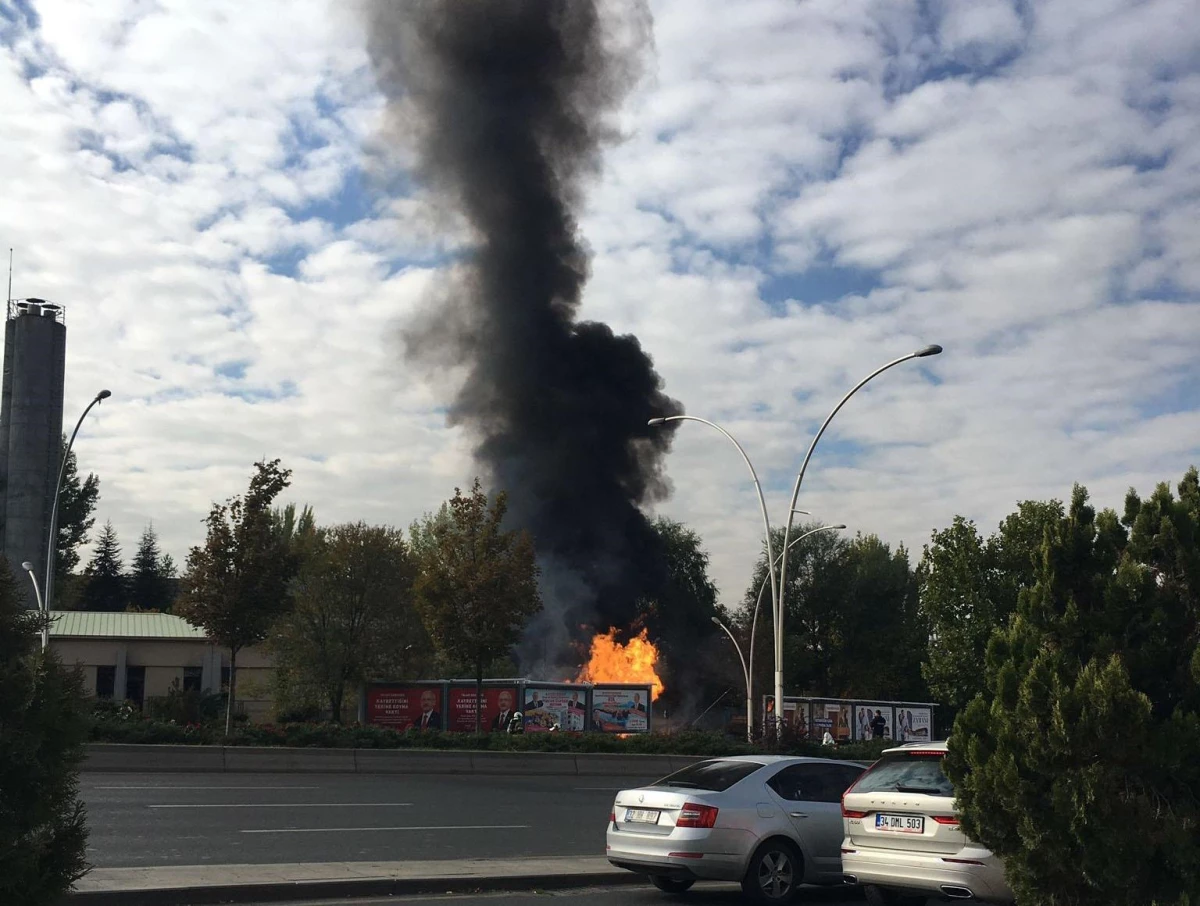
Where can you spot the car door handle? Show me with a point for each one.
(798, 814)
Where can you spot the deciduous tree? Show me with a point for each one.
(236, 585)
(477, 583)
(353, 616)
(1078, 762)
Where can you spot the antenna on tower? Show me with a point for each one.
(10, 277)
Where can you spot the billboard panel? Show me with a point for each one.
(914, 723)
(797, 714)
(564, 706)
(873, 720)
(499, 703)
(621, 709)
(411, 707)
(834, 717)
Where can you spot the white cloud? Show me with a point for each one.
(1020, 184)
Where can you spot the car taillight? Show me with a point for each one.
(948, 820)
(850, 813)
(612, 817)
(694, 815)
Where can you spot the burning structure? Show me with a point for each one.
(506, 105)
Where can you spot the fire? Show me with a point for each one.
(612, 662)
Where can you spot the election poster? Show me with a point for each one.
(621, 709)
(914, 724)
(499, 705)
(413, 707)
(548, 707)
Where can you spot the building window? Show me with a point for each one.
(106, 681)
(135, 685)
(192, 678)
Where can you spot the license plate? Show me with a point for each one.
(900, 824)
(641, 816)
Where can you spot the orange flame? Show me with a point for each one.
(612, 662)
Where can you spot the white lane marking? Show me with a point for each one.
(342, 830)
(286, 805)
(169, 788)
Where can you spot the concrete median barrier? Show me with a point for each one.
(113, 758)
(279, 759)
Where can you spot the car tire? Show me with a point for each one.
(672, 885)
(775, 873)
(882, 896)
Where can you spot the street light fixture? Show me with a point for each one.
(37, 593)
(778, 597)
(746, 674)
(51, 543)
(762, 503)
(782, 579)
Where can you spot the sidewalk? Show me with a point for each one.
(194, 885)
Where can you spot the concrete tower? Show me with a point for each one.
(31, 413)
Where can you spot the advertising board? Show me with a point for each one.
(914, 723)
(405, 707)
(621, 709)
(499, 703)
(548, 706)
(873, 720)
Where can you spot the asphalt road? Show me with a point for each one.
(700, 895)
(194, 819)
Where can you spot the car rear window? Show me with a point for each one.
(716, 776)
(905, 774)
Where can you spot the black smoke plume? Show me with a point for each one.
(507, 105)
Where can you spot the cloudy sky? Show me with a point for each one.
(807, 190)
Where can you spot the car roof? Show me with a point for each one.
(766, 760)
(915, 747)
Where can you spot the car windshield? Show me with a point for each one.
(906, 774)
(716, 776)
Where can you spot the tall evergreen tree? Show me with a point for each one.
(1078, 763)
(76, 506)
(149, 582)
(43, 730)
(104, 586)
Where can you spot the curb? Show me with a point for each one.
(276, 891)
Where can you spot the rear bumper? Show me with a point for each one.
(691, 860)
(928, 873)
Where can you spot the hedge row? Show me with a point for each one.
(326, 735)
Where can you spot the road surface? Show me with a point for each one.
(196, 819)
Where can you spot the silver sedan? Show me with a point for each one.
(770, 822)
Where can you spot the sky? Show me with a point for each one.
(803, 192)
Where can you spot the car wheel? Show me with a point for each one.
(881, 896)
(672, 885)
(775, 873)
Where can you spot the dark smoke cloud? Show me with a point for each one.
(507, 105)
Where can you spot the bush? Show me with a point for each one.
(182, 707)
(358, 736)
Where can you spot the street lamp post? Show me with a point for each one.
(932, 349)
(782, 579)
(746, 673)
(51, 544)
(762, 507)
(28, 567)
